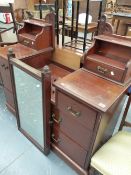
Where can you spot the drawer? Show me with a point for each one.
(74, 130)
(70, 148)
(9, 98)
(76, 110)
(105, 70)
(5, 74)
(27, 42)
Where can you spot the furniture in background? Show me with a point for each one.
(19, 8)
(125, 18)
(75, 41)
(113, 157)
(36, 34)
(8, 9)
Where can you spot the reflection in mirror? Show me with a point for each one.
(29, 99)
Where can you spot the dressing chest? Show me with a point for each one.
(71, 112)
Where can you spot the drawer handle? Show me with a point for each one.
(26, 42)
(53, 138)
(102, 70)
(74, 113)
(55, 120)
(3, 65)
(6, 67)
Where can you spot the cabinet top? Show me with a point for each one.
(91, 89)
(37, 22)
(19, 50)
(115, 39)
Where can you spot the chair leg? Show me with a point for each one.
(93, 171)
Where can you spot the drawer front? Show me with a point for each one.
(27, 42)
(9, 98)
(70, 148)
(105, 70)
(74, 130)
(80, 113)
(5, 74)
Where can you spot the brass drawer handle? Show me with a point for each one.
(102, 70)
(55, 120)
(26, 42)
(3, 65)
(74, 113)
(53, 138)
(6, 67)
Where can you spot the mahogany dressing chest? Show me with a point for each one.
(75, 112)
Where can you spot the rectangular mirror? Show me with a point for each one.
(31, 103)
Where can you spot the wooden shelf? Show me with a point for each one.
(115, 40)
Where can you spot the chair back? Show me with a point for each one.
(9, 9)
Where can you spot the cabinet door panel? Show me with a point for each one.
(5, 74)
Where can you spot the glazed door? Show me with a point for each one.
(32, 96)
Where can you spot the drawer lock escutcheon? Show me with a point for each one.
(55, 140)
(55, 120)
(102, 70)
(74, 113)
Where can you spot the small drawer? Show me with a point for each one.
(70, 148)
(78, 111)
(27, 42)
(105, 70)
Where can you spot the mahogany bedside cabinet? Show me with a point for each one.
(89, 101)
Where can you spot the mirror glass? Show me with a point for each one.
(29, 99)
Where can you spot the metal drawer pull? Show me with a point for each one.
(53, 138)
(26, 42)
(3, 65)
(6, 67)
(55, 120)
(74, 113)
(102, 70)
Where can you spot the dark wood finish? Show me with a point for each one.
(70, 148)
(87, 110)
(103, 26)
(37, 34)
(76, 83)
(20, 51)
(57, 72)
(110, 57)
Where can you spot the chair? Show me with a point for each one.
(114, 157)
(7, 9)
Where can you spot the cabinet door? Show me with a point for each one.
(32, 95)
(5, 74)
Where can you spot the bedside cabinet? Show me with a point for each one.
(85, 116)
(36, 34)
